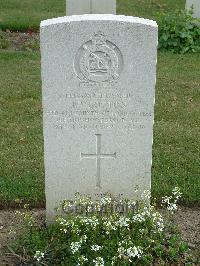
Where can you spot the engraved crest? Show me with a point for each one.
(98, 60)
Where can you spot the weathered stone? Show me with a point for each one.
(196, 7)
(78, 7)
(98, 76)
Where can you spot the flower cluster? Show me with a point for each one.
(114, 238)
(128, 251)
(39, 255)
(90, 222)
(109, 224)
(75, 246)
(82, 260)
(158, 221)
(98, 261)
(82, 229)
(170, 202)
(95, 247)
(124, 222)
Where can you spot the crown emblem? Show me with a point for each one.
(98, 63)
(98, 60)
(99, 39)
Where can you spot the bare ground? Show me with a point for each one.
(9, 229)
(19, 41)
(187, 219)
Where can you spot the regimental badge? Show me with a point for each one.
(98, 60)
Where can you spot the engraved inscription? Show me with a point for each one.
(100, 111)
(98, 156)
(98, 61)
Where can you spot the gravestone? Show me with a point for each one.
(79, 7)
(196, 7)
(98, 78)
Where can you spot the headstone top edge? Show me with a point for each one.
(96, 17)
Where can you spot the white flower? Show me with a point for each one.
(39, 255)
(67, 204)
(158, 221)
(138, 218)
(61, 221)
(177, 193)
(75, 246)
(170, 203)
(109, 225)
(172, 207)
(105, 200)
(134, 252)
(81, 260)
(98, 261)
(64, 230)
(130, 252)
(123, 222)
(114, 259)
(95, 247)
(131, 204)
(92, 222)
(146, 194)
(84, 238)
(166, 200)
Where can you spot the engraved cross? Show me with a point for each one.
(98, 156)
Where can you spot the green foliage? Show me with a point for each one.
(3, 41)
(179, 32)
(98, 236)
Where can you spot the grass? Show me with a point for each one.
(176, 133)
(26, 14)
(21, 163)
(148, 8)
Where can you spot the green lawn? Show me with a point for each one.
(176, 134)
(21, 162)
(27, 14)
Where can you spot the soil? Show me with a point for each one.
(187, 219)
(20, 41)
(10, 226)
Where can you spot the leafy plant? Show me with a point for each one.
(3, 41)
(98, 234)
(179, 32)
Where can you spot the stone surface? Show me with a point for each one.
(98, 76)
(104, 7)
(79, 7)
(196, 7)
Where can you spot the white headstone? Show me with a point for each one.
(98, 76)
(196, 7)
(79, 7)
